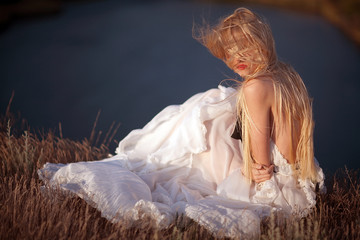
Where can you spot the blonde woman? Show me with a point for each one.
(273, 103)
(225, 158)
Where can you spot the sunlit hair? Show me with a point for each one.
(247, 37)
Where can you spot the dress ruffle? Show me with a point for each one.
(184, 161)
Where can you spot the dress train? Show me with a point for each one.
(184, 161)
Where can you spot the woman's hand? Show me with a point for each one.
(261, 172)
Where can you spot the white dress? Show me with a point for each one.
(184, 161)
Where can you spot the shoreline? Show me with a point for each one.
(345, 17)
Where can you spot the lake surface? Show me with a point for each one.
(132, 60)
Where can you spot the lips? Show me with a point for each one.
(241, 66)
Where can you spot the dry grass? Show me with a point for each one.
(26, 213)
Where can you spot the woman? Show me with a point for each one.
(273, 103)
(225, 158)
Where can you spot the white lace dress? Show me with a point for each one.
(185, 161)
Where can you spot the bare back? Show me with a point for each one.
(260, 99)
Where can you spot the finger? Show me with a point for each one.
(256, 170)
(258, 180)
(264, 174)
(263, 171)
(267, 166)
(257, 166)
(260, 173)
(268, 176)
(270, 169)
(261, 178)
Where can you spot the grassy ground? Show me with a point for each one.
(26, 213)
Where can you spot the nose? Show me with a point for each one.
(235, 62)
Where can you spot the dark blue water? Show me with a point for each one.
(132, 60)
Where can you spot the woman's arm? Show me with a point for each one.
(259, 96)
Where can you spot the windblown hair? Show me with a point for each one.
(247, 37)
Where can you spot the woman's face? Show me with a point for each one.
(240, 55)
(240, 66)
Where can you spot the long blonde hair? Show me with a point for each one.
(247, 37)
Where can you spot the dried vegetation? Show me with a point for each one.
(27, 213)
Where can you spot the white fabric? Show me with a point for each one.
(184, 161)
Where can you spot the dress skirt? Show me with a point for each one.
(184, 161)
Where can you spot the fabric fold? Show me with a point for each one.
(184, 161)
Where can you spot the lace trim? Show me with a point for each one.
(143, 209)
(307, 185)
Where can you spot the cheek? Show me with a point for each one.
(234, 63)
(229, 63)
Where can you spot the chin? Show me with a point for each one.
(241, 74)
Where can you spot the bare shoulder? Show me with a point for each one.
(259, 90)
